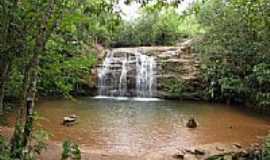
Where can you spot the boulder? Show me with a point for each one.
(192, 123)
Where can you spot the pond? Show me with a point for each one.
(133, 126)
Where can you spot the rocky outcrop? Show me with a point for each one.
(224, 152)
(178, 69)
(216, 151)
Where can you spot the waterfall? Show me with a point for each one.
(145, 79)
(127, 73)
(102, 74)
(123, 78)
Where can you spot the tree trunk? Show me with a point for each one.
(30, 76)
(29, 121)
(31, 71)
(4, 77)
(29, 85)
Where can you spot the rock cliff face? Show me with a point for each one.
(175, 71)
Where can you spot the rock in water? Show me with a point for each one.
(73, 116)
(199, 152)
(192, 123)
(70, 120)
(237, 145)
(179, 156)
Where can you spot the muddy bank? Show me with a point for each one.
(199, 152)
(54, 150)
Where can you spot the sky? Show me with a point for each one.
(131, 12)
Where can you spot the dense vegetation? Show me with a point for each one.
(236, 49)
(55, 38)
(234, 44)
(48, 47)
(155, 27)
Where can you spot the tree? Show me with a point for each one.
(236, 43)
(11, 42)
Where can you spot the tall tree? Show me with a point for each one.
(11, 42)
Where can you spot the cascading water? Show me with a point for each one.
(123, 78)
(145, 79)
(126, 73)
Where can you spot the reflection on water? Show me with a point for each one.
(137, 127)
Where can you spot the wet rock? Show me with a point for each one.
(237, 145)
(189, 151)
(177, 62)
(243, 153)
(70, 120)
(74, 116)
(218, 148)
(256, 145)
(192, 123)
(179, 156)
(219, 151)
(199, 152)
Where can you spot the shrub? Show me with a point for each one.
(71, 151)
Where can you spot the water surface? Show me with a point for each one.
(136, 127)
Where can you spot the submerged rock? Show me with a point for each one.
(192, 123)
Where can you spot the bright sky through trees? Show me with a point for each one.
(131, 12)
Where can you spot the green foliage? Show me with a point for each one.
(15, 82)
(266, 153)
(16, 142)
(232, 89)
(176, 87)
(61, 75)
(39, 139)
(4, 149)
(235, 49)
(235, 42)
(71, 31)
(156, 27)
(71, 151)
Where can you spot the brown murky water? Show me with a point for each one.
(136, 127)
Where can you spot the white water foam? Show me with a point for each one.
(128, 98)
